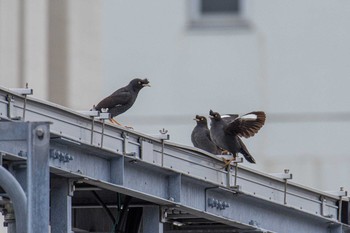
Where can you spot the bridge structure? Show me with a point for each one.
(68, 171)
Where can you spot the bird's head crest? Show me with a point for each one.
(214, 115)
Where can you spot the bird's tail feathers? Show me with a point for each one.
(244, 151)
(249, 158)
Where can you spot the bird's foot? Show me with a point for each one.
(227, 164)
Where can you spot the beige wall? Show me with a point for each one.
(55, 46)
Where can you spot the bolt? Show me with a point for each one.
(226, 205)
(219, 206)
(60, 156)
(163, 131)
(40, 133)
(54, 154)
(286, 171)
(22, 153)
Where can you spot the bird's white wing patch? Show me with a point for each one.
(249, 117)
(225, 116)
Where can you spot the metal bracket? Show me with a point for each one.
(92, 114)
(25, 92)
(235, 164)
(103, 116)
(71, 187)
(11, 110)
(323, 207)
(125, 136)
(163, 214)
(286, 175)
(341, 193)
(164, 136)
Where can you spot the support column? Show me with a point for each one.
(38, 176)
(61, 206)
(151, 220)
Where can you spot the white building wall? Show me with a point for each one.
(9, 41)
(84, 53)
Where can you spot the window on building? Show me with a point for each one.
(217, 14)
(219, 6)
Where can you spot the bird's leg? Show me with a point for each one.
(114, 121)
(228, 163)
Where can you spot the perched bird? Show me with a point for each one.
(122, 99)
(226, 132)
(200, 136)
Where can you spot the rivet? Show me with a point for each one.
(40, 133)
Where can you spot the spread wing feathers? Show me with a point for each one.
(247, 125)
(228, 118)
(120, 97)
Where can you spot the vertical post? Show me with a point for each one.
(285, 191)
(61, 206)
(92, 130)
(103, 132)
(151, 220)
(38, 177)
(117, 170)
(174, 185)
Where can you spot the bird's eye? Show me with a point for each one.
(216, 115)
(139, 82)
(202, 119)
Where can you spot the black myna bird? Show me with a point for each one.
(200, 136)
(226, 132)
(122, 99)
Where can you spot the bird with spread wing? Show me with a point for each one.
(226, 132)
